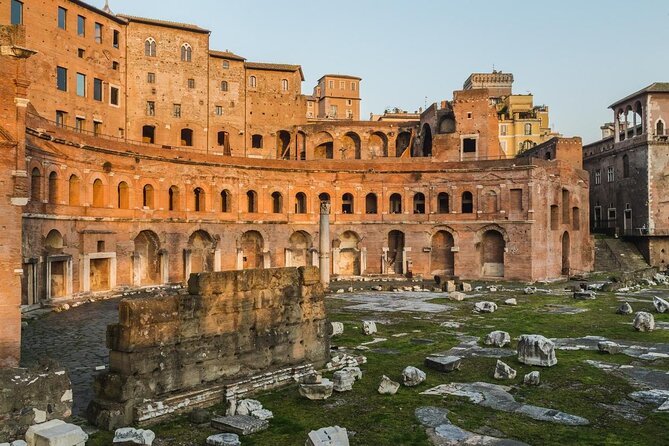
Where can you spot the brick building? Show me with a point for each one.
(203, 161)
(628, 173)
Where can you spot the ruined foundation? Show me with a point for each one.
(236, 332)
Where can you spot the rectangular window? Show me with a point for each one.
(150, 108)
(113, 96)
(97, 89)
(342, 85)
(349, 114)
(115, 38)
(151, 78)
(115, 65)
(98, 32)
(598, 176)
(333, 111)
(62, 18)
(331, 84)
(17, 12)
(610, 174)
(219, 110)
(97, 128)
(81, 25)
(61, 78)
(612, 213)
(353, 86)
(191, 83)
(79, 124)
(81, 53)
(81, 84)
(516, 196)
(502, 130)
(176, 110)
(61, 118)
(469, 145)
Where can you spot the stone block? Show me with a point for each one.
(625, 308)
(61, 435)
(536, 350)
(328, 436)
(387, 386)
(456, 295)
(337, 328)
(412, 376)
(644, 321)
(532, 379)
(661, 305)
(485, 307)
(32, 430)
(320, 391)
(226, 439)
(343, 380)
(609, 347)
(584, 295)
(503, 371)
(368, 327)
(443, 363)
(262, 414)
(449, 286)
(465, 287)
(239, 424)
(497, 338)
(247, 406)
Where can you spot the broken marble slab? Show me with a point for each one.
(239, 424)
(638, 376)
(443, 363)
(444, 433)
(641, 350)
(469, 347)
(562, 309)
(405, 301)
(498, 397)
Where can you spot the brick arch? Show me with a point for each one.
(478, 236)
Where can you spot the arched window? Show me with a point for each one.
(98, 194)
(395, 204)
(147, 196)
(528, 129)
(371, 204)
(300, 203)
(173, 198)
(53, 188)
(35, 185)
(284, 84)
(226, 203)
(123, 195)
(150, 47)
(256, 141)
(467, 203)
(73, 190)
(198, 196)
(253, 82)
(186, 53)
(419, 203)
(443, 205)
(251, 201)
(187, 137)
(347, 204)
(277, 203)
(224, 86)
(626, 166)
(659, 128)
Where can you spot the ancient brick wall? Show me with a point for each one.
(231, 326)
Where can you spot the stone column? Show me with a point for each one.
(217, 260)
(363, 261)
(324, 244)
(136, 269)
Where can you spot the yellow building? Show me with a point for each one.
(522, 125)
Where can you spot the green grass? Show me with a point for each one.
(571, 386)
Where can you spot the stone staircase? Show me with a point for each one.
(613, 254)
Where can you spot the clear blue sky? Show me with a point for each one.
(577, 57)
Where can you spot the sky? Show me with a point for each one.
(577, 57)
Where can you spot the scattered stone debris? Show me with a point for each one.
(498, 397)
(343, 380)
(57, 432)
(485, 307)
(247, 406)
(536, 350)
(609, 347)
(644, 321)
(585, 295)
(661, 305)
(412, 376)
(469, 347)
(239, 424)
(134, 436)
(449, 286)
(317, 388)
(328, 436)
(532, 379)
(530, 290)
(441, 431)
(465, 287)
(503, 371)
(443, 363)
(512, 301)
(368, 327)
(387, 386)
(226, 439)
(641, 350)
(337, 328)
(456, 296)
(627, 409)
(497, 338)
(450, 324)
(354, 371)
(344, 360)
(625, 308)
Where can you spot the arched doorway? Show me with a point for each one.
(147, 256)
(201, 246)
(492, 254)
(378, 145)
(252, 250)
(426, 136)
(298, 247)
(566, 253)
(57, 265)
(351, 148)
(283, 145)
(402, 143)
(324, 147)
(349, 254)
(442, 256)
(396, 252)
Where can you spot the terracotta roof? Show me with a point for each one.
(343, 76)
(655, 87)
(226, 55)
(165, 23)
(274, 67)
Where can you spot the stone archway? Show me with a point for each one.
(201, 246)
(297, 254)
(348, 262)
(252, 250)
(147, 262)
(492, 254)
(395, 258)
(442, 259)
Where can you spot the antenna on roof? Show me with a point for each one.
(106, 8)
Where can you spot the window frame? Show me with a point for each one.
(114, 90)
(16, 12)
(81, 85)
(99, 30)
(98, 88)
(62, 18)
(61, 78)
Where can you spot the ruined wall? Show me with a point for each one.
(231, 326)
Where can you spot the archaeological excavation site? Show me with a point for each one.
(195, 252)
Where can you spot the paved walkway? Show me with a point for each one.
(76, 340)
